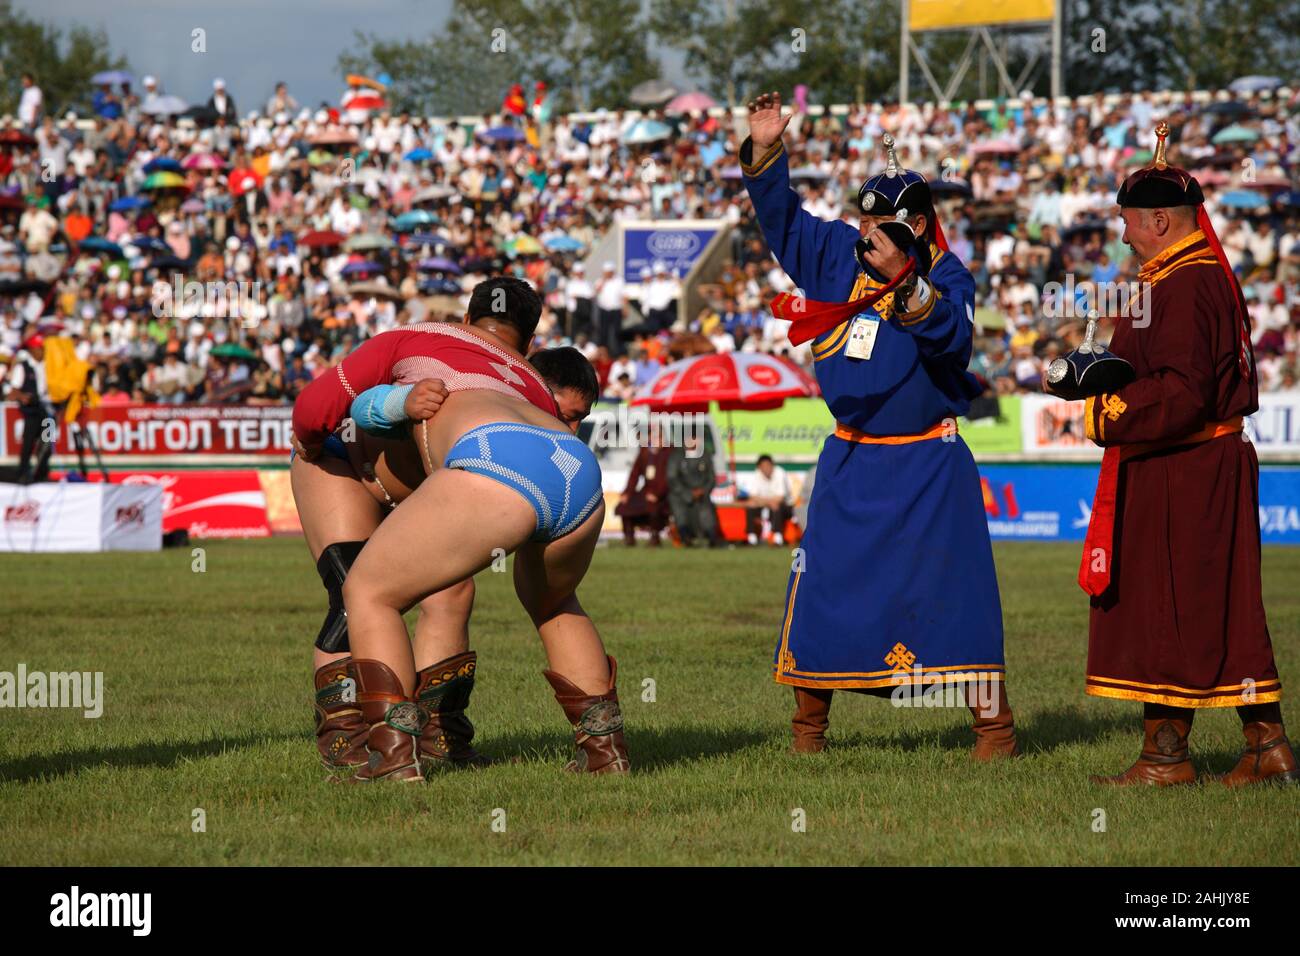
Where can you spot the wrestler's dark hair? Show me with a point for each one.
(566, 367)
(509, 300)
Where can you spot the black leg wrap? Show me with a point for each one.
(333, 566)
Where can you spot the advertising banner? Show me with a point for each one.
(78, 516)
(171, 430)
(1053, 502)
(207, 504)
(677, 247)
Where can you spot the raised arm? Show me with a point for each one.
(816, 254)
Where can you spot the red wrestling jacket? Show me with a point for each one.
(406, 355)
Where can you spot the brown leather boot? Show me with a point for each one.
(340, 731)
(1164, 761)
(812, 715)
(442, 690)
(995, 726)
(597, 725)
(1269, 756)
(395, 722)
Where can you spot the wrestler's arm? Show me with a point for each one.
(386, 410)
(943, 323)
(324, 403)
(381, 410)
(1177, 398)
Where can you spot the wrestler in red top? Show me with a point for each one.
(460, 358)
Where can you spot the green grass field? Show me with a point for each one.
(208, 706)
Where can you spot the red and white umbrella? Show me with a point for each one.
(744, 380)
(750, 381)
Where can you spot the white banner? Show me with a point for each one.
(1051, 428)
(80, 516)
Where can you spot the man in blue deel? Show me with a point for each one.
(894, 593)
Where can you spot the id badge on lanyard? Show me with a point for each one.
(862, 337)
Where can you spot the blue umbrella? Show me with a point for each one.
(111, 77)
(163, 164)
(502, 134)
(1254, 84)
(438, 264)
(127, 203)
(418, 155)
(646, 131)
(100, 244)
(150, 242)
(1243, 199)
(426, 239)
(439, 287)
(410, 221)
(562, 244)
(361, 268)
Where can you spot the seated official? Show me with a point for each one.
(769, 499)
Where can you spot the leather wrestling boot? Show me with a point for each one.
(1269, 756)
(442, 691)
(995, 727)
(340, 731)
(597, 725)
(1164, 761)
(395, 721)
(812, 715)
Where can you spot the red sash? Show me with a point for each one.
(809, 319)
(1098, 546)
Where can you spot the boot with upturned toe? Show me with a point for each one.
(340, 729)
(1269, 756)
(395, 721)
(597, 725)
(442, 690)
(1165, 760)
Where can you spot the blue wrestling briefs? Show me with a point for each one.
(554, 470)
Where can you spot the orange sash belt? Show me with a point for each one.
(849, 433)
(1098, 546)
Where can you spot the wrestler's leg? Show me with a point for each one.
(444, 679)
(583, 677)
(442, 629)
(547, 575)
(337, 513)
(447, 531)
(332, 507)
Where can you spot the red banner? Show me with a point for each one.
(170, 430)
(209, 504)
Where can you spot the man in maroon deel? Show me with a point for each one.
(1172, 557)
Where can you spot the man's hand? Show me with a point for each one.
(425, 399)
(305, 452)
(884, 256)
(766, 124)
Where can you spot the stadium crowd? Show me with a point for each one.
(227, 257)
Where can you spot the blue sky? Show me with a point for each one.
(250, 43)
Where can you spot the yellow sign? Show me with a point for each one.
(953, 14)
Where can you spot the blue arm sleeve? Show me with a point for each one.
(817, 255)
(382, 410)
(943, 326)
